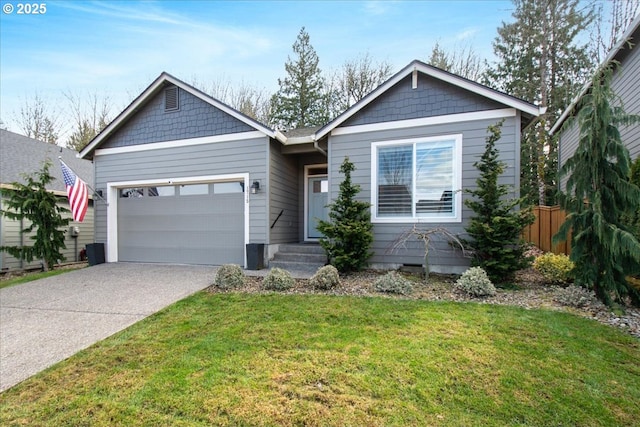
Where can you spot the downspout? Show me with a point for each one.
(317, 147)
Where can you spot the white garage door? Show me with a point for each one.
(185, 224)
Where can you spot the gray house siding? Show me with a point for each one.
(431, 98)
(233, 157)
(195, 118)
(626, 84)
(358, 148)
(283, 196)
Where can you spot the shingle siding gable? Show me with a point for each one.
(431, 98)
(193, 119)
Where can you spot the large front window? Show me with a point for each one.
(417, 179)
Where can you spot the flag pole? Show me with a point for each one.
(93, 191)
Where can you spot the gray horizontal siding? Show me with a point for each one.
(284, 196)
(244, 156)
(195, 118)
(358, 148)
(626, 84)
(431, 98)
(10, 236)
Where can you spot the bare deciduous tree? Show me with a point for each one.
(606, 32)
(90, 115)
(247, 99)
(355, 80)
(38, 121)
(462, 61)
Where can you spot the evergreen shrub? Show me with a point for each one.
(475, 282)
(393, 283)
(278, 280)
(326, 278)
(229, 276)
(555, 268)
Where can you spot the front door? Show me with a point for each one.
(318, 193)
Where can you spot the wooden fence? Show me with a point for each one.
(548, 221)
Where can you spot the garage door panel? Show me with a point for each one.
(193, 229)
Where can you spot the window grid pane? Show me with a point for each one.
(395, 181)
(417, 180)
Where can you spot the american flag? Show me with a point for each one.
(77, 193)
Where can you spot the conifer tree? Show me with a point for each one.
(599, 193)
(541, 59)
(301, 99)
(497, 226)
(348, 234)
(32, 201)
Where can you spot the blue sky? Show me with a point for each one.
(117, 48)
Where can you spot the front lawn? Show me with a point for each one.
(251, 359)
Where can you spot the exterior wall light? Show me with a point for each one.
(255, 187)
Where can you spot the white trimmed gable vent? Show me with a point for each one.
(171, 99)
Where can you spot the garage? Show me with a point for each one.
(190, 223)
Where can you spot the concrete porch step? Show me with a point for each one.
(306, 257)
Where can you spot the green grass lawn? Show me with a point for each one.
(242, 359)
(30, 277)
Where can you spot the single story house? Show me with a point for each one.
(189, 179)
(20, 154)
(626, 85)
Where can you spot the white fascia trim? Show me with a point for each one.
(112, 203)
(427, 121)
(180, 143)
(457, 181)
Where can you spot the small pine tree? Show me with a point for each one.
(348, 234)
(32, 201)
(497, 225)
(599, 194)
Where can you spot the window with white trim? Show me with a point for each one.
(417, 179)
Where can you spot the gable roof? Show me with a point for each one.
(619, 51)
(429, 70)
(20, 154)
(151, 91)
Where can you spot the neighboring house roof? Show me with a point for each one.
(20, 154)
(152, 90)
(618, 53)
(416, 66)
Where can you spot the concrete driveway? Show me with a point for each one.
(47, 320)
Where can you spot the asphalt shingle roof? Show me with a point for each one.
(20, 154)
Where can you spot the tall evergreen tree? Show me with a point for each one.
(599, 194)
(497, 226)
(32, 201)
(301, 99)
(348, 234)
(541, 61)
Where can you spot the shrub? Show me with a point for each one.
(326, 278)
(278, 280)
(496, 228)
(393, 283)
(475, 282)
(229, 276)
(348, 234)
(555, 268)
(576, 296)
